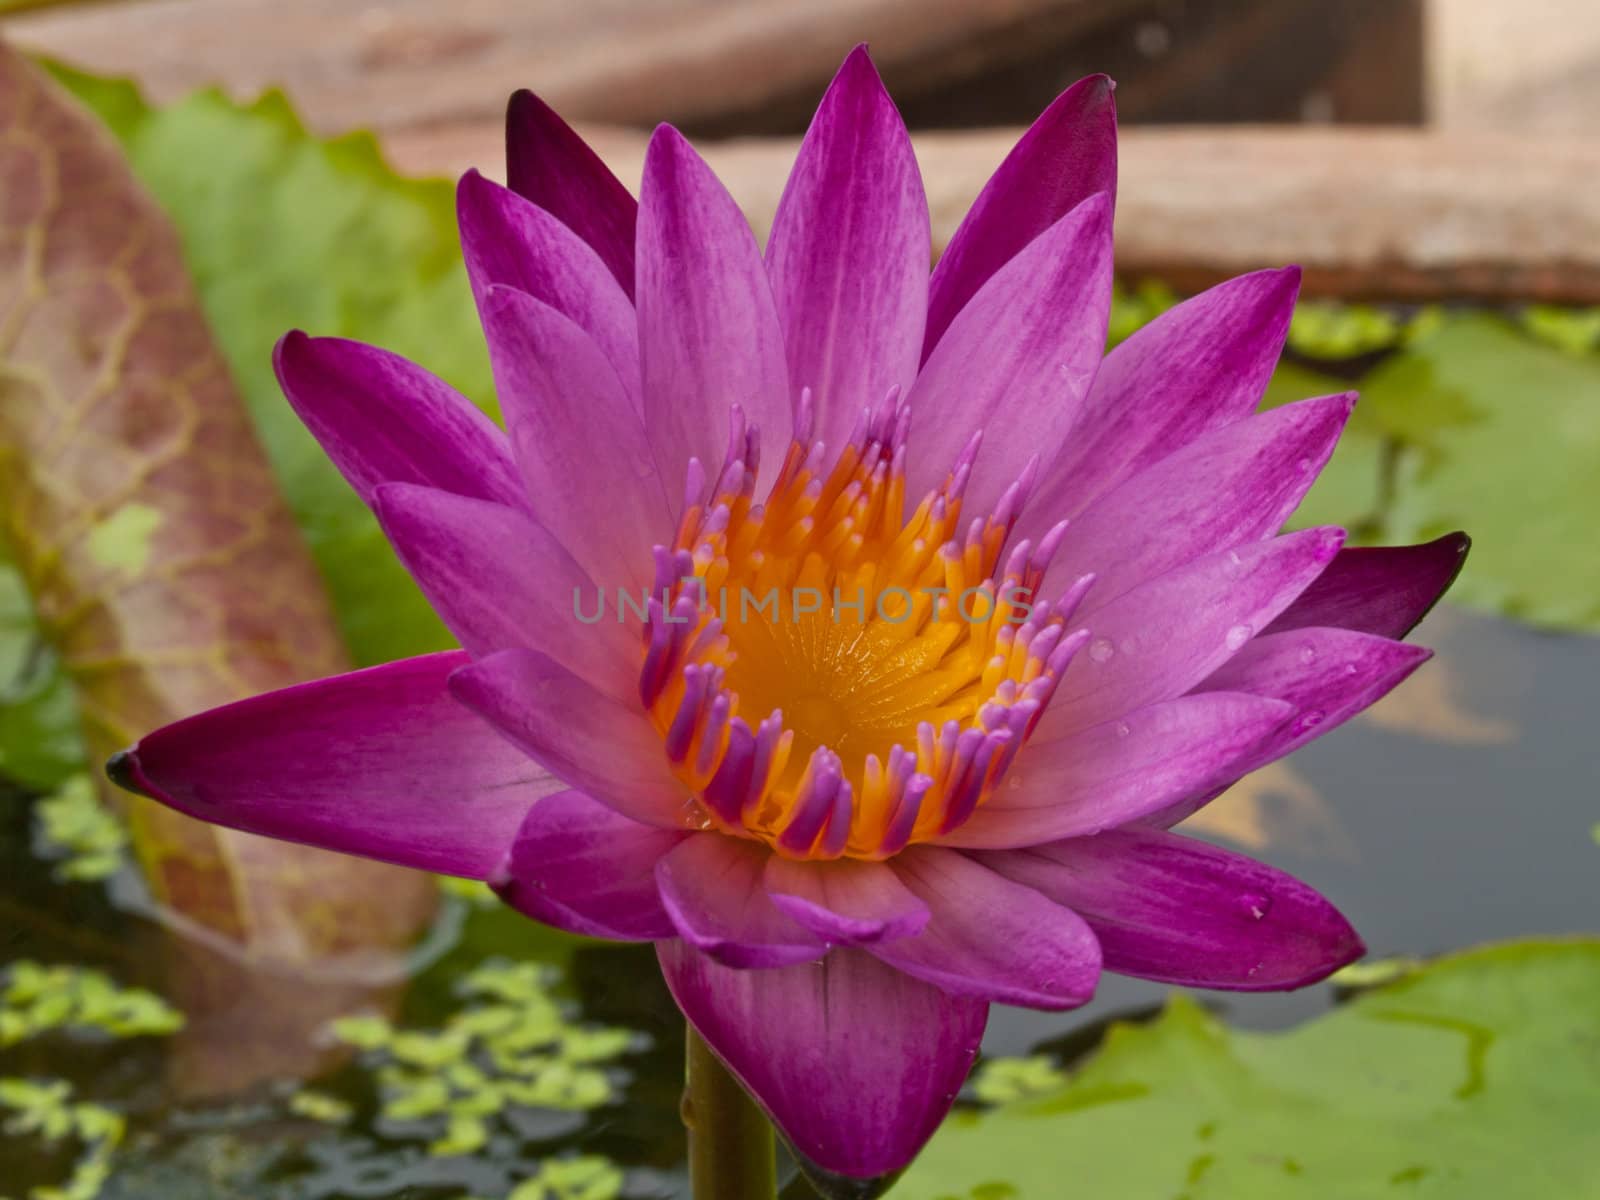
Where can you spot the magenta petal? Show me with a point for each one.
(847, 901)
(1181, 911)
(708, 331)
(385, 420)
(711, 887)
(1162, 638)
(1384, 590)
(849, 253)
(856, 1063)
(584, 737)
(580, 866)
(1122, 770)
(382, 763)
(499, 580)
(577, 434)
(1232, 485)
(991, 938)
(1327, 675)
(1017, 360)
(549, 164)
(1066, 156)
(1199, 366)
(510, 242)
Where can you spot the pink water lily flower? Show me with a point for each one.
(855, 636)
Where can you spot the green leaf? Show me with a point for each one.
(48, 1111)
(86, 836)
(1475, 1077)
(1329, 330)
(37, 999)
(283, 230)
(1349, 492)
(41, 746)
(1502, 439)
(1003, 1080)
(1575, 330)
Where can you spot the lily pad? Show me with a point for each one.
(1502, 439)
(1350, 490)
(1475, 1077)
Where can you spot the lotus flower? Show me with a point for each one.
(850, 827)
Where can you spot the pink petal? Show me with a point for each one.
(711, 887)
(580, 866)
(1017, 360)
(849, 253)
(385, 420)
(846, 901)
(1122, 770)
(856, 1063)
(549, 164)
(1326, 675)
(1180, 911)
(582, 736)
(1166, 635)
(708, 330)
(498, 579)
(382, 763)
(510, 242)
(578, 438)
(1199, 366)
(1066, 156)
(991, 938)
(1384, 590)
(1232, 485)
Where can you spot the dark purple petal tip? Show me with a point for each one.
(122, 768)
(1386, 590)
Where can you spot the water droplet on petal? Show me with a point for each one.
(1311, 718)
(1238, 636)
(1123, 729)
(1308, 654)
(1101, 650)
(1256, 904)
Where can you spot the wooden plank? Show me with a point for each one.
(1390, 213)
(409, 63)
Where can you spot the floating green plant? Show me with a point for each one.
(1329, 330)
(474, 891)
(512, 1044)
(319, 1106)
(1575, 330)
(39, 999)
(46, 1109)
(84, 835)
(588, 1177)
(1135, 306)
(1002, 1080)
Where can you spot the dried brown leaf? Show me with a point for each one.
(165, 567)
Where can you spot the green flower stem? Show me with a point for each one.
(731, 1153)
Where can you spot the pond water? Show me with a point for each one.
(1459, 811)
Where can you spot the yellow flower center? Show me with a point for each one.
(833, 675)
